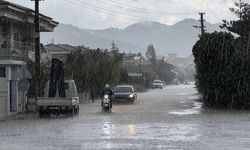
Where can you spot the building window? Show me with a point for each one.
(2, 72)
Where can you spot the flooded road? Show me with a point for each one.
(160, 119)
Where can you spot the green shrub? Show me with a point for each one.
(223, 71)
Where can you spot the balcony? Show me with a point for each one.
(16, 49)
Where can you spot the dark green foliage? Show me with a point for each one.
(151, 56)
(222, 71)
(241, 27)
(223, 63)
(44, 76)
(92, 69)
(160, 69)
(124, 76)
(165, 71)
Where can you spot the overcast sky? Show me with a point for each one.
(99, 14)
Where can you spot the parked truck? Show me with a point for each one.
(59, 105)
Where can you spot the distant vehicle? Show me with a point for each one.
(186, 82)
(125, 93)
(157, 84)
(176, 82)
(58, 105)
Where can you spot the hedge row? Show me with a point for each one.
(223, 71)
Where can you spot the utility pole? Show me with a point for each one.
(202, 23)
(37, 49)
(202, 26)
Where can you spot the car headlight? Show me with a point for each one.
(131, 96)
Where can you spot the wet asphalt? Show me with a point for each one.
(171, 118)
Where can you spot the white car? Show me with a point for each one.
(158, 84)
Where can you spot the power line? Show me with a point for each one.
(107, 11)
(143, 10)
(122, 14)
(72, 11)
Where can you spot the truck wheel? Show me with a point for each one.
(41, 114)
(72, 112)
(77, 110)
(132, 101)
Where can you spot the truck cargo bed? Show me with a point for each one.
(57, 101)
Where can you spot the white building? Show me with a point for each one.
(17, 29)
(17, 36)
(9, 76)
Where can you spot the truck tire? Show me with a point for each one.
(71, 112)
(41, 114)
(76, 110)
(132, 101)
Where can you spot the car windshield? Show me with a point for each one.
(123, 89)
(157, 82)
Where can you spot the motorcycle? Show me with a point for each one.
(106, 103)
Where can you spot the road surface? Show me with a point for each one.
(160, 119)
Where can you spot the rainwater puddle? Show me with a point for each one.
(183, 94)
(149, 132)
(193, 111)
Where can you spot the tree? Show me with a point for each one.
(217, 72)
(165, 71)
(92, 69)
(139, 54)
(151, 56)
(44, 76)
(240, 26)
(114, 48)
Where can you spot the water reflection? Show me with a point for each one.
(149, 132)
(131, 129)
(107, 129)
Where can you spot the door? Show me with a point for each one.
(13, 96)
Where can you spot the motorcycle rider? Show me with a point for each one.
(109, 91)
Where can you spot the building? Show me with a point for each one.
(17, 30)
(133, 59)
(60, 51)
(9, 76)
(17, 35)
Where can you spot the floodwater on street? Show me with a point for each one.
(171, 118)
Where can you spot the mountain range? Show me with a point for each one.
(178, 38)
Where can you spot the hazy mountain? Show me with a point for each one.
(178, 38)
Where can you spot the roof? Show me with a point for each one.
(11, 62)
(59, 48)
(25, 14)
(157, 81)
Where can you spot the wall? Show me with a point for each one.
(3, 97)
